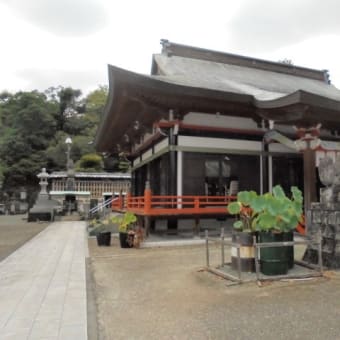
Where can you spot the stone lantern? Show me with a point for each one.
(43, 181)
(44, 208)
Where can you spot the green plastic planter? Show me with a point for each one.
(289, 236)
(273, 260)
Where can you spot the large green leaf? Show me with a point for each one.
(234, 208)
(284, 217)
(274, 206)
(297, 194)
(259, 203)
(278, 192)
(238, 225)
(246, 197)
(266, 221)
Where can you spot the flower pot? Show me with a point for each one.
(104, 239)
(273, 260)
(247, 253)
(123, 240)
(289, 236)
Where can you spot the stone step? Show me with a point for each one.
(72, 217)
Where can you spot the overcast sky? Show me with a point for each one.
(70, 42)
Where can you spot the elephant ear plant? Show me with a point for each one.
(242, 207)
(279, 213)
(267, 212)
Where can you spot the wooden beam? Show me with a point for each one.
(309, 177)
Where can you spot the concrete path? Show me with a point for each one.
(43, 286)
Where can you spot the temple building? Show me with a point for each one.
(207, 124)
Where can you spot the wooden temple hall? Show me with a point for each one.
(205, 125)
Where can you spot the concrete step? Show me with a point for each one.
(72, 217)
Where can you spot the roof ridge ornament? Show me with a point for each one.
(166, 47)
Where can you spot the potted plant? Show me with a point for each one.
(102, 230)
(243, 232)
(125, 222)
(274, 216)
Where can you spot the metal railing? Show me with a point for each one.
(101, 206)
(317, 269)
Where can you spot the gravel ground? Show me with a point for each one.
(162, 293)
(15, 231)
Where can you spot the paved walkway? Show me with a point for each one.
(43, 286)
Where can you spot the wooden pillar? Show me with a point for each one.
(147, 207)
(147, 198)
(172, 165)
(120, 201)
(179, 176)
(264, 168)
(128, 200)
(309, 176)
(172, 179)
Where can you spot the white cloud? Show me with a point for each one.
(61, 17)
(45, 44)
(262, 25)
(43, 79)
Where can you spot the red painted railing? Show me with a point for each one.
(156, 205)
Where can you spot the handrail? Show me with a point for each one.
(104, 204)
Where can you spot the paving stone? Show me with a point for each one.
(43, 286)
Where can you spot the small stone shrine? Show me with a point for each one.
(325, 216)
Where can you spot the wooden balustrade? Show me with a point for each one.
(156, 205)
(166, 205)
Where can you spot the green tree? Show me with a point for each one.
(34, 126)
(90, 162)
(27, 126)
(95, 103)
(68, 101)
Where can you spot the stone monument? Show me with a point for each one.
(325, 216)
